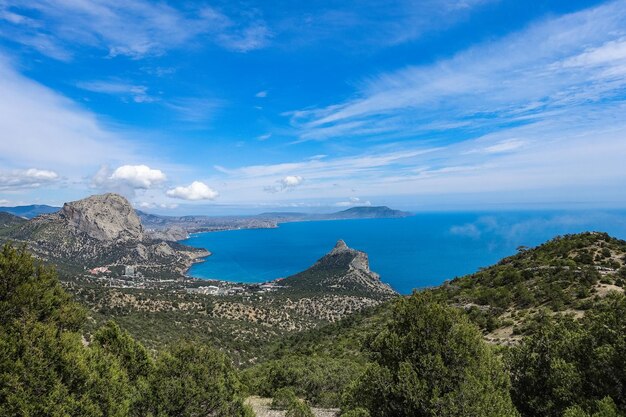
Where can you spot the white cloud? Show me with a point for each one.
(361, 24)
(28, 178)
(152, 205)
(291, 181)
(42, 128)
(353, 201)
(264, 137)
(138, 176)
(195, 191)
(193, 109)
(287, 183)
(261, 94)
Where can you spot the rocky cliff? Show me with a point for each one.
(107, 217)
(102, 230)
(342, 270)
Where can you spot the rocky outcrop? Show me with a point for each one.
(343, 270)
(103, 230)
(107, 217)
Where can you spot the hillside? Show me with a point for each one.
(242, 318)
(374, 212)
(574, 278)
(567, 275)
(342, 270)
(10, 220)
(101, 231)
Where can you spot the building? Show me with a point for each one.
(129, 271)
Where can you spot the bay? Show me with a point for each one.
(413, 252)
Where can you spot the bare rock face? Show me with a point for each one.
(106, 217)
(103, 230)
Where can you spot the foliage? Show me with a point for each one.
(603, 408)
(571, 365)
(430, 360)
(299, 408)
(47, 368)
(195, 380)
(319, 379)
(283, 397)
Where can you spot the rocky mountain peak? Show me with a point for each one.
(344, 270)
(105, 217)
(340, 246)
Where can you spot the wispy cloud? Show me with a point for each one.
(134, 28)
(370, 22)
(193, 109)
(125, 90)
(43, 128)
(553, 69)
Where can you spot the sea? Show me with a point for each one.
(409, 253)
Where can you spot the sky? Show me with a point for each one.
(240, 107)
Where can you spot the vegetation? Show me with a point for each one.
(569, 366)
(430, 360)
(47, 368)
(563, 353)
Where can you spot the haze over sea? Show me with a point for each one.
(414, 252)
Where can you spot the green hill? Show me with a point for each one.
(570, 280)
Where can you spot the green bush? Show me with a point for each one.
(283, 397)
(356, 412)
(299, 408)
(567, 364)
(47, 370)
(431, 361)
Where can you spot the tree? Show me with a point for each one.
(298, 408)
(431, 361)
(44, 368)
(573, 365)
(195, 380)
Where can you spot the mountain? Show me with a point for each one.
(342, 270)
(10, 220)
(30, 211)
(194, 224)
(101, 231)
(374, 212)
(569, 275)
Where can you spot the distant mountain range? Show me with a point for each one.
(176, 228)
(31, 211)
(193, 224)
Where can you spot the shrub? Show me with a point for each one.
(299, 408)
(430, 360)
(283, 398)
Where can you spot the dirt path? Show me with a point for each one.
(261, 407)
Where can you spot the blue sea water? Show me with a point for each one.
(413, 252)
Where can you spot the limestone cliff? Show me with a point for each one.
(107, 217)
(103, 230)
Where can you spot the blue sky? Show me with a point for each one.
(236, 107)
